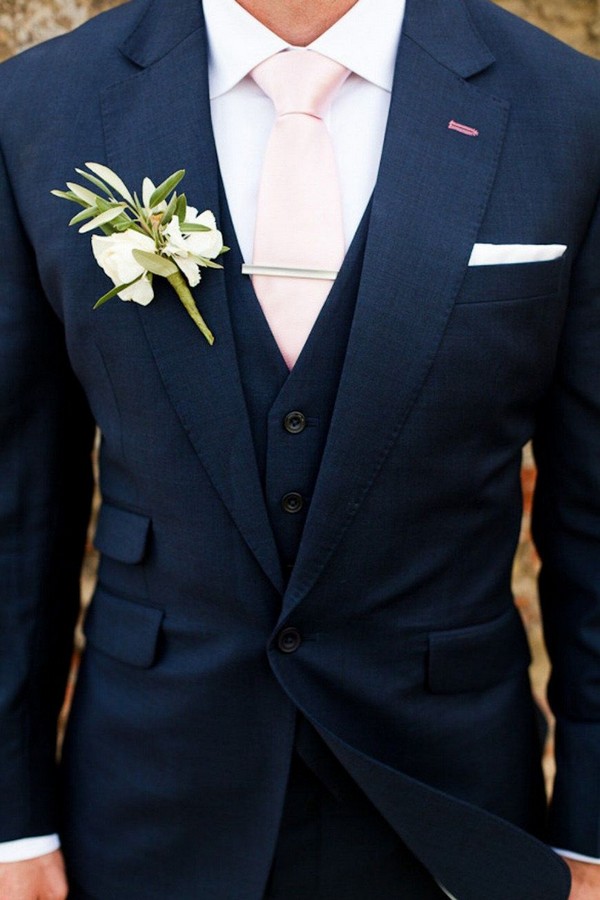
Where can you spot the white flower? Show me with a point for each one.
(114, 254)
(205, 244)
(145, 239)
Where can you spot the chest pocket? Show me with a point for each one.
(513, 281)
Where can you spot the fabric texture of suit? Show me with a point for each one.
(412, 665)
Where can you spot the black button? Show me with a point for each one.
(294, 422)
(289, 640)
(292, 502)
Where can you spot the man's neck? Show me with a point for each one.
(299, 22)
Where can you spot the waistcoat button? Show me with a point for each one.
(292, 502)
(294, 422)
(289, 640)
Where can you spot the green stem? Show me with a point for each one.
(179, 284)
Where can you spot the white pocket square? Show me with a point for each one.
(501, 254)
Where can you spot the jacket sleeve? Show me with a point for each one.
(46, 433)
(566, 527)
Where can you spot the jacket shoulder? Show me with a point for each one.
(105, 29)
(511, 37)
(80, 55)
(547, 82)
(56, 81)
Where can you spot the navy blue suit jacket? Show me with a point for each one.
(413, 665)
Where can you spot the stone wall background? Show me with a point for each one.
(26, 22)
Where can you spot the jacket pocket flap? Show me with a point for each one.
(123, 629)
(479, 656)
(121, 534)
(516, 281)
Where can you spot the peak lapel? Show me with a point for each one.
(429, 201)
(158, 121)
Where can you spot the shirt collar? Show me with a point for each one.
(238, 42)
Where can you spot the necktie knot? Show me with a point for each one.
(300, 81)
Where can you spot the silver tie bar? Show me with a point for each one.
(281, 272)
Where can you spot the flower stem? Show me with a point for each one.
(179, 284)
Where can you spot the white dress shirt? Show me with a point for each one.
(365, 41)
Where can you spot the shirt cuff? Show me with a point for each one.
(28, 848)
(568, 854)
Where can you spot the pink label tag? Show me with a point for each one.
(463, 129)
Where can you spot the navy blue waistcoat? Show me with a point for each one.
(290, 412)
(289, 415)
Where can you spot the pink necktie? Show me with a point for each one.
(299, 217)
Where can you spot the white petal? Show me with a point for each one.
(148, 188)
(141, 292)
(114, 255)
(205, 243)
(207, 218)
(176, 241)
(190, 270)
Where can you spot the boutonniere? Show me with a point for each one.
(158, 236)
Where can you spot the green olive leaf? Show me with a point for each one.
(107, 216)
(111, 178)
(152, 262)
(163, 190)
(116, 290)
(83, 194)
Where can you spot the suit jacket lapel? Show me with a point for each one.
(429, 201)
(156, 122)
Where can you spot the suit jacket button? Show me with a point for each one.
(289, 640)
(294, 422)
(292, 502)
